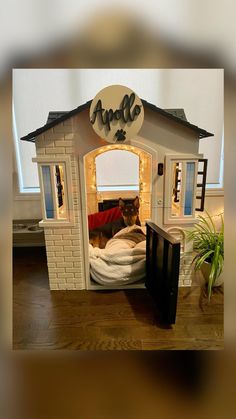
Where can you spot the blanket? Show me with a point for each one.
(104, 217)
(123, 261)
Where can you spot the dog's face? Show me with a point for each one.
(129, 211)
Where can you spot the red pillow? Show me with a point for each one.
(104, 217)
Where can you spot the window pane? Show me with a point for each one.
(117, 169)
(190, 177)
(176, 189)
(47, 186)
(60, 191)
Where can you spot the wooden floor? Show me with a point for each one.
(108, 320)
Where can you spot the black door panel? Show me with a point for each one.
(162, 271)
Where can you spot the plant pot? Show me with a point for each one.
(205, 269)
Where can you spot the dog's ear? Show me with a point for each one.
(136, 202)
(121, 203)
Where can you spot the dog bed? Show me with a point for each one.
(122, 261)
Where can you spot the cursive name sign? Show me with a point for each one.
(116, 113)
(126, 113)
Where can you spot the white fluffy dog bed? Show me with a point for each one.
(121, 262)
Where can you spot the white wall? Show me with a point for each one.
(198, 91)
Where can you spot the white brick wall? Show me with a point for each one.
(185, 268)
(63, 244)
(64, 268)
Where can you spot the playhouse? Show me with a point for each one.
(171, 178)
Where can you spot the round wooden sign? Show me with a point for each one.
(116, 114)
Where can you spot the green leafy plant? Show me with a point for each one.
(209, 245)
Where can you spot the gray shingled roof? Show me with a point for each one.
(56, 117)
(176, 112)
(179, 113)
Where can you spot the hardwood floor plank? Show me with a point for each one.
(106, 320)
(190, 344)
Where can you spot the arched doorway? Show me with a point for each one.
(124, 171)
(138, 184)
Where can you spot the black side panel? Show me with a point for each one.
(162, 271)
(202, 184)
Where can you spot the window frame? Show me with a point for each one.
(184, 159)
(52, 162)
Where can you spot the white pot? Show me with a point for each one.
(205, 269)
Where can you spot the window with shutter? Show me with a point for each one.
(56, 194)
(181, 182)
(54, 191)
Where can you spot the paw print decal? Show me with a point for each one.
(120, 135)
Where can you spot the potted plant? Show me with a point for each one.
(208, 242)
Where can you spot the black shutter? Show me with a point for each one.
(59, 186)
(162, 271)
(177, 183)
(201, 184)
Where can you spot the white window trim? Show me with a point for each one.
(215, 192)
(27, 196)
(50, 161)
(169, 158)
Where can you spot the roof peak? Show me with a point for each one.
(174, 114)
(178, 112)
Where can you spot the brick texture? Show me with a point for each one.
(185, 268)
(63, 244)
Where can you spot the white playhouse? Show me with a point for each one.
(171, 187)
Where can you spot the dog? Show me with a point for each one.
(130, 212)
(130, 217)
(98, 239)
